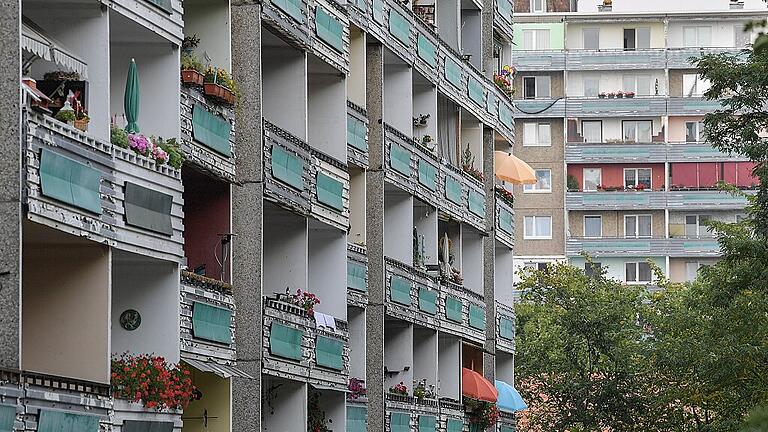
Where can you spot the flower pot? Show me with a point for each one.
(211, 89)
(611, 96)
(630, 96)
(82, 124)
(601, 96)
(191, 77)
(620, 96)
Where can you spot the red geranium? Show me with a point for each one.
(151, 380)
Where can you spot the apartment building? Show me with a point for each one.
(292, 200)
(609, 112)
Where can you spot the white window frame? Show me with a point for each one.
(592, 121)
(537, 141)
(700, 86)
(543, 4)
(635, 79)
(637, 130)
(584, 85)
(584, 37)
(637, 176)
(637, 217)
(699, 43)
(636, 29)
(533, 188)
(584, 179)
(584, 226)
(699, 131)
(537, 82)
(701, 230)
(696, 273)
(636, 264)
(529, 236)
(537, 36)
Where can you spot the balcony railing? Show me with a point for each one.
(690, 199)
(616, 59)
(505, 328)
(643, 247)
(464, 312)
(412, 295)
(540, 60)
(536, 108)
(654, 152)
(617, 200)
(639, 106)
(688, 106)
(207, 135)
(505, 222)
(207, 305)
(680, 58)
(357, 276)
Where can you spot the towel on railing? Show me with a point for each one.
(323, 320)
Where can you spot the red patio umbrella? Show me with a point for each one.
(477, 387)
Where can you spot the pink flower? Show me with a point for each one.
(139, 143)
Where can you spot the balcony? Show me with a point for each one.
(330, 200)
(163, 17)
(207, 135)
(296, 348)
(357, 135)
(505, 222)
(698, 152)
(400, 161)
(290, 18)
(616, 59)
(691, 106)
(503, 18)
(464, 314)
(543, 60)
(653, 106)
(693, 247)
(679, 58)
(330, 38)
(412, 295)
(288, 169)
(615, 152)
(537, 108)
(89, 188)
(505, 328)
(617, 200)
(413, 412)
(616, 246)
(694, 199)
(357, 276)
(207, 310)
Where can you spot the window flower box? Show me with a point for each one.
(191, 77)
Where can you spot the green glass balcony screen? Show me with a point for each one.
(506, 328)
(285, 341)
(293, 8)
(362, 5)
(147, 426)
(505, 221)
(427, 423)
(507, 429)
(59, 421)
(490, 103)
(70, 182)
(426, 50)
(453, 72)
(329, 29)
(148, 209)
(399, 422)
(453, 308)
(475, 91)
(476, 203)
(428, 300)
(400, 290)
(328, 352)
(378, 10)
(211, 130)
(400, 159)
(356, 132)
(427, 175)
(356, 276)
(357, 419)
(504, 7)
(287, 167)
(454, 425)
(165, 5)
(330, 191)
(476, 317)
(505, 115)
(453, 189)
(399, 27)
(211, 323)
(7, 418)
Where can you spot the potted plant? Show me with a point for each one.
(619, 95)
(118, 136)
(81, 117)
(399, 389)
(572, 184)
(167, 151)
(423, 391)
(356, 388)
(316, 421)
(467, 164)
(481, 414)
(305, 300)
(505, 195)
(601, 95)
(629, 94)
(66, 114)
(189, 44)
(151, 381)
(218, 85)
(611, 95)
(191, 70)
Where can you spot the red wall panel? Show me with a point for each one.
(613, 174)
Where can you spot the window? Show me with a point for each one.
(591, 38)
(536, 39)
(537, 6)
(536, 87)
(639, 84)
(637, 226)
(592, 269)
(637, 272)
(536, 134)
(593, 226)
(637, 38)
(740, 38)
(740, 217)
(574, 6)
(694, 85)
(694, 132)
(592, 178)
(634, 177)
(543, 182)
(591, 86)
(691, 269)
(540, 266)
(639, 131)
(697, 36)
(592, 131)
(695, 226)
(538, 227)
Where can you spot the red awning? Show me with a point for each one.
(476, 386)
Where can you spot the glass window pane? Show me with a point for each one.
(591, 178)
(644, 131)
(643, 85)
(593, 226)
(591, 38)
(591, 86)
(689, 36)
(629, 177)
(630, 131)
(643, 38)
(629, 83)
(528, 41)
(690, 132)
(702, 85)
(691, 226)
(629, 39)
(529, 226)
(689, 84)
(704, 36)
(542, 87)
(592, 269)
(545, 137)
(529, 87)
(592, 131)
(644, 272)
(543, 226)
(542, 39)
(630, 226)
(543, 180)
(644, 177)
(691, 268)
(529, 133)
(630, 271)
(644, 226)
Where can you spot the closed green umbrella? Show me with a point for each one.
(131, 100)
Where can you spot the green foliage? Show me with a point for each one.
(757, 421)
(191, 62)
(170, 146)
(572, 183)
(65, 116)
(118, 136)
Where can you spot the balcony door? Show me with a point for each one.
(637, 226)
(592, 178)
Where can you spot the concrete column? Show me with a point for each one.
(247, 220)
(10, 185)
(486, 42)
(489, 257)
(374, 342)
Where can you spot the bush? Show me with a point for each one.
(118, 137)
(573, 184)
(65, 116)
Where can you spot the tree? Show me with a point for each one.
(580, 351)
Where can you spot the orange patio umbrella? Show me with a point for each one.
(512, 169)
(477, 387)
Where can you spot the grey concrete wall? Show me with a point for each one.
(10, 186)
(247, 221)
(613, 222)
(374, 341)
(489, 257)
